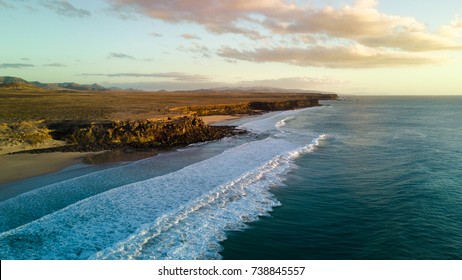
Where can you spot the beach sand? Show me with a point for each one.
(22, 166)
(220, 118)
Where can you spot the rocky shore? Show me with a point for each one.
(139, 135)
(251, 108)
(35, 147)
(84, 136)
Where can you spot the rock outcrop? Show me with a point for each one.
(83, 135)
(138, 135)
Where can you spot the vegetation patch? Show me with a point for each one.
(25, 132)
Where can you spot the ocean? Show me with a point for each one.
(359, 178)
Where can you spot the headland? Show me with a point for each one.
(70, 124)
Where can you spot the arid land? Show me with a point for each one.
(50, 122)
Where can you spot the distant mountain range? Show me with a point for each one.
(21, 84)
(18, 84)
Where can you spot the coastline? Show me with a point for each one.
(35, 148)
(17, 167)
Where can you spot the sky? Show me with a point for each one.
(395, 47)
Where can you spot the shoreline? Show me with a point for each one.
(16, 167)
(22, 166)
(53, 156)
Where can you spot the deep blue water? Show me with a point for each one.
(386, 184)
(361, 178)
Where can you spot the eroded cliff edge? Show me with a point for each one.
(137, 135)
(84, 135)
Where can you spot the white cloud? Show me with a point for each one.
(65, 8)
(189, 36)
(392, 37)
(177, 76)
(294, 82)
(331, 57)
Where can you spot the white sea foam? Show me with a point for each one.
(180, 215)
(194, 230)
(283, 122)
(270, 121)
(47, 199)
(160, 217)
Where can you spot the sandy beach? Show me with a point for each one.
(22, 166)
(220, 118)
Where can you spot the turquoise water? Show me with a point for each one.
(366, 178)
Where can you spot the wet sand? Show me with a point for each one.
(21, 166)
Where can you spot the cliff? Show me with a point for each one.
(137, 135)
(83, 135)
(248, 108)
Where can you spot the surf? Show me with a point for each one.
(183, 214)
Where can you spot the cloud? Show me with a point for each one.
(5, 5)
(320, 31)
(216, 16)
(121, 56)
(319, 82)
(167, 85)
(64, 8)
(196, 48)
(330, 57)
(155, 34)
(363, 23)
(55, 65)
(114, 55)
(452, 30)
(15, 65)
(360, 21)
(188, 36)
(294, 82)
(183, 77)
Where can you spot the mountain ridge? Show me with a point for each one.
(16, 83)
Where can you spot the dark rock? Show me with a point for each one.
(138, 135)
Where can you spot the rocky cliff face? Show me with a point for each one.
(283, 105)
(249, 108)
(136, 134)
(82, 135)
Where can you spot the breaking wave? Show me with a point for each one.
(183, 214)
